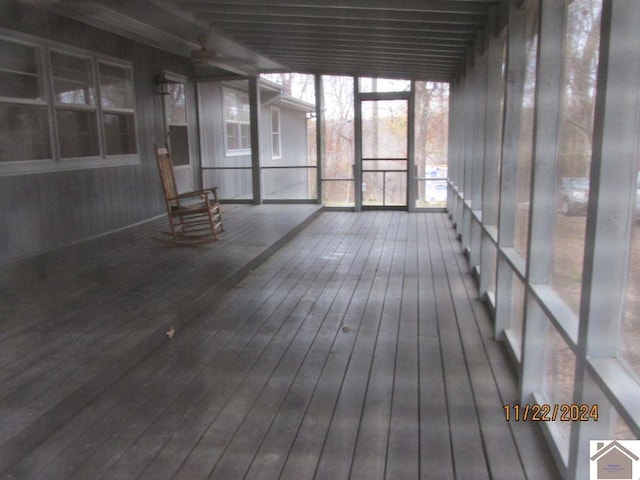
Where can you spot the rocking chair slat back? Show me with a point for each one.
(167, 177)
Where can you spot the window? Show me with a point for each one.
(63, 108)
(275, 133)
(76, 110)
(236, 123)
(24, 117)
(117, 99)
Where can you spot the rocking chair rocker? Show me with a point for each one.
(194, 217)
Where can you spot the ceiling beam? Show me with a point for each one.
(388, 65)
(414, 40)
(398, 34)
(478, 7)
(434, 75)
(330, 42)
(364, 53)
(267, 12)
(224, 20)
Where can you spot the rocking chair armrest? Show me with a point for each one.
(214, 191)
(204, 194)
(207, 192)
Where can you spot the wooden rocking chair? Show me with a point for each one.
(194, 217)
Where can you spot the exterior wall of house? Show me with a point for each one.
(279, 183)
(233, 184)
(231, 173)
(44, 211)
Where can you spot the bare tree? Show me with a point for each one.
(581, 63)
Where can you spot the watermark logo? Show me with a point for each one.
(615, 459)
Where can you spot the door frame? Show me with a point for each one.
(185, 174)
(411, 174)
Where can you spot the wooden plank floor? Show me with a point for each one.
(76, 319)
(359, 350)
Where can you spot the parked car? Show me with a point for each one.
(574, 195)
(436, 191)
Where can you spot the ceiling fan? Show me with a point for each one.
(204, 56)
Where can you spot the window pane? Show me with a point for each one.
(525, 154)
(338, 135)
(72, 79)
(293, 125)
(384, 132)
(175, 104)
(630, 338)
(230, 106)
(384, 188)
(179, 141)
(384, 85)
(245, 136)
(338, 193)
(236, 106)
(495, 115)
(116, 87)
(77, 133)
(293, 137)
(24, 132)
(244, 108)
(557, 383)
(120, 133)
(19, 71)
(431, 143)
(289, 183)
(232, 136)
(237, 118)
(574, 154)
(275, 144)
(16, 85)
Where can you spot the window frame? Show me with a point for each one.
(44, 48)
(276, 133)
(235, 123)
(176, 79)
(40, 102)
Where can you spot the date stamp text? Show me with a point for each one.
(544, 412)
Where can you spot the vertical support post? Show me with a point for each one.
(451, 148)
(467, 153)
(254, 107)
(357, 146)
(461, 138)
(516, 63)
(452, 165)
(319, 134)
(411, 140)
(492, 142)
(477, 160)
